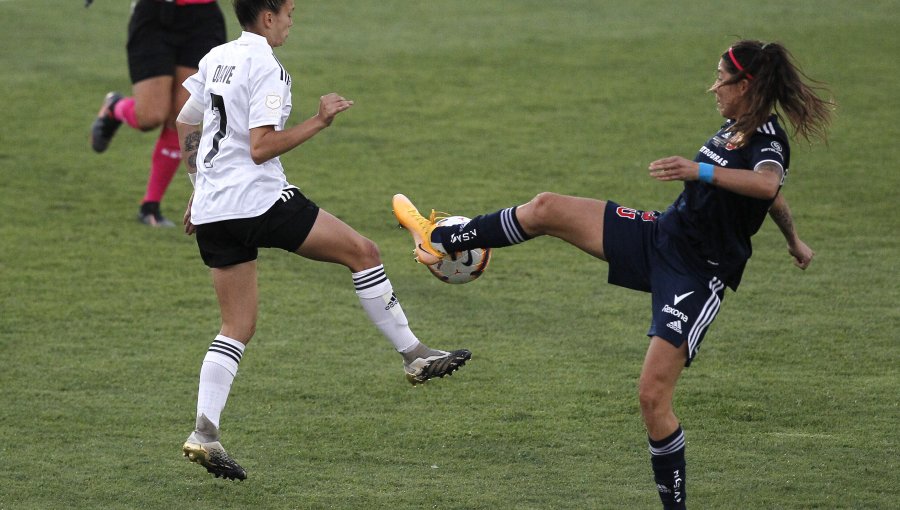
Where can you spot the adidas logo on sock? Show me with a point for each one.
(392, 302)
(675, 326)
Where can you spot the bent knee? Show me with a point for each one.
(367, 254)
(149, 120)
(540, 213)
(544, 201)
(542, 209)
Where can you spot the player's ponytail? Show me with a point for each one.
(776, 84)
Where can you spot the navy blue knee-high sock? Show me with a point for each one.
(667, 457)
(494, 230)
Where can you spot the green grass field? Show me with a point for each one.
(465, 106)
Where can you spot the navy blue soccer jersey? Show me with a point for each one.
(711, 226)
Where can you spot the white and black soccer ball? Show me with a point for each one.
(469, 264)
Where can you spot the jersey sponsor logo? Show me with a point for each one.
(709, 153)
(676, 312)
(776, 148)
(679, 298)
(273, 101)
(675, 326)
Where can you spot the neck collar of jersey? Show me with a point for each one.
(251, 38)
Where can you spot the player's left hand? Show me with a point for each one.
(330, 105)
(674, 168)
(802, 254)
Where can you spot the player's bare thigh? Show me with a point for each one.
(152, 101)
(576, 220)
(332, 240)
(159, 99)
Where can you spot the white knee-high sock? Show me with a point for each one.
(378, 300)
(216, 375)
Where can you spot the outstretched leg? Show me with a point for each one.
(576, 220)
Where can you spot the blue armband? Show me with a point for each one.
(706, 172)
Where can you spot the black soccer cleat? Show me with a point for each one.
(203, 447)
(215, 459)
(444, 363)
(105, 125)
(149, 214)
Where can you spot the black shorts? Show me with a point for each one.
(285, 225)
(162, 35)
(641, 257)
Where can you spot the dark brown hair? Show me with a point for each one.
(776, 84)
(248, 11)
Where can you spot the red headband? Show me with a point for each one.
(736, 63)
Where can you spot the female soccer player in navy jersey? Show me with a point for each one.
(685, 256)
(166, 39)
(242, 201)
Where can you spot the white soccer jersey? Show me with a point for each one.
(242, 86)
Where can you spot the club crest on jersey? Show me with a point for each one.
(728, 145)
(273, 101)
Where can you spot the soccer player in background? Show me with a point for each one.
(687, 255)
(166, 39)
(242, 201)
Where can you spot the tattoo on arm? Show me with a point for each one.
(191, 145)
(780, 213)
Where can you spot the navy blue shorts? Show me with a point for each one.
(285, 225)
(641, 257)
(162, 35)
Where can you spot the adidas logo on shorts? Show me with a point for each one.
(287, 194)
(675, 326)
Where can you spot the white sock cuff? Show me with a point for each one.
(371, 283)
(226, 352)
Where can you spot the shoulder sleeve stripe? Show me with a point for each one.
(767, 128)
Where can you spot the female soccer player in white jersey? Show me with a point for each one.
(687, 255)
(242, 201)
